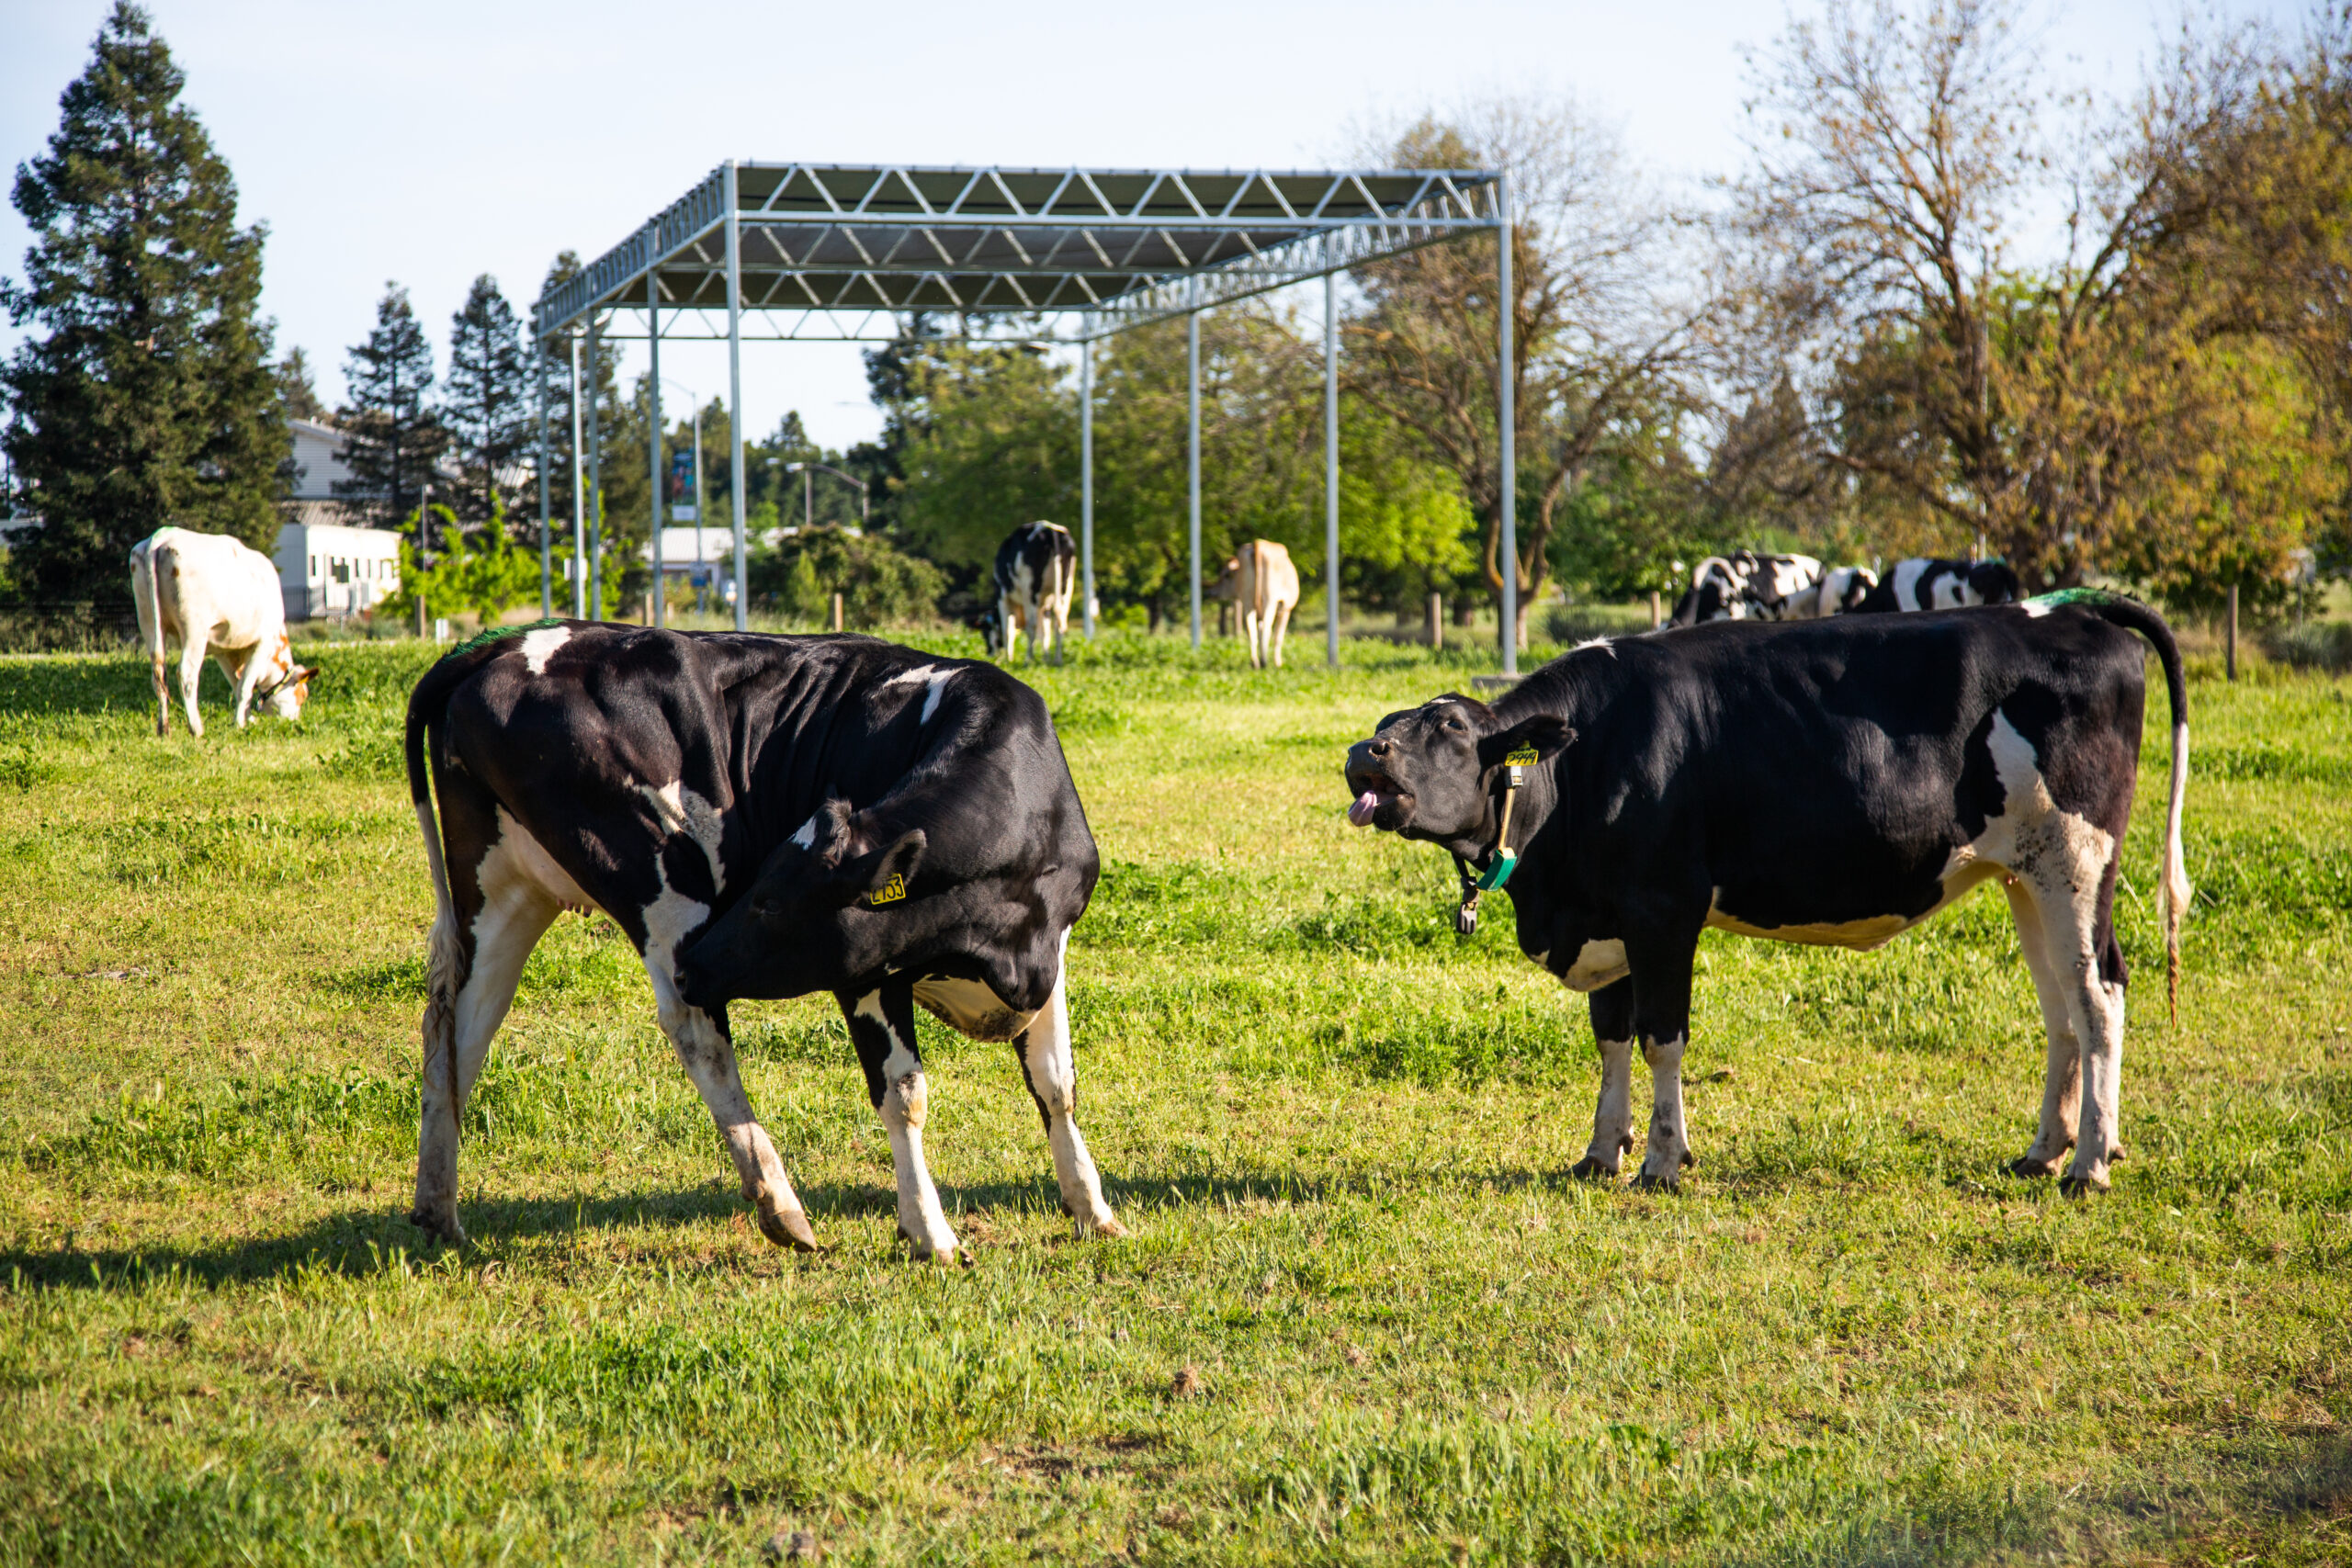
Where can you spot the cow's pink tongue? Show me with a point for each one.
(1365, 804)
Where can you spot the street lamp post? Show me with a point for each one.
(809, 472)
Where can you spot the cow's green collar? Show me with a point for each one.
(1502, 860)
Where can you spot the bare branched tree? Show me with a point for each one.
(1903, 159)
(1605, 325)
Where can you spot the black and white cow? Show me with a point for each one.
(1745, 586)
(765, 817)
(1832, 783)
(1036, 575)
(1921, 583)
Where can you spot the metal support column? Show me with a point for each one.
(653, 417)
(1330, 469)
(735, 395)
(595, 485)
(579, 499)
(1507, 422)
(1086, 473)
(547, 546)
(1193, 445)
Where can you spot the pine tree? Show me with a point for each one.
(151, 400)
(395, 435)
(487, 402)
(296, 389)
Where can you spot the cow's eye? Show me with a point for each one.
(766, 909)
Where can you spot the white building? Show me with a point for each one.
(328, 569)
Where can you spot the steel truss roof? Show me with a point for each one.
(841, 253)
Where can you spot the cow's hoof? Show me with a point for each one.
(2029, 1167)
(2081, 1186)
(788, 1227)
(441, 1227)
(1671, 1181)
(1107, 1227)
(1592, 1169)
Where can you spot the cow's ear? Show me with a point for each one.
(1545, 734)
(880, 877)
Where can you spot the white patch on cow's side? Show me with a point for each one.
(2036, 608)
(1906, 583)
(905, 1105)
(539, 644)
(682, 810)
(1612, 1112)
(1860, 935)
(1604, 644)
(930, 674)
(1597, 963)
(971, 1007)
(807, 835)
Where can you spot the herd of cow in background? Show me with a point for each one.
(1745, 586)
(1779, 763)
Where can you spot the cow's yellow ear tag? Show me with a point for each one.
(890, 892)
(1524, 758)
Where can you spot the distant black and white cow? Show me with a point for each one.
(1036, 575)
(1744, 586)
(1840, 591)
(765, 817)
(1923, 584)
(1831, 782)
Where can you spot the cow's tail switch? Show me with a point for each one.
(2173, 895)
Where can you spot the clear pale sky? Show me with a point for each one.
(432, 140)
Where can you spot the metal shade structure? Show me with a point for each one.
(846, 253)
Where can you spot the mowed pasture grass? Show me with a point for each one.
(1340, 1135)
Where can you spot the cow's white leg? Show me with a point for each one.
(163, 693)
(708, 1056)
(1669, 1142)
(245, 678)
(466, 1000)
(1052, 1076)
(191, 671)
(2095, 1012)
(1612, 1112)
(1282, 625)
(1250, 626)
(2062, 1083)
(882, 1023)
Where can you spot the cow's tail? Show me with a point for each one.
(445, 955)
(151, 630)
(2173, 895)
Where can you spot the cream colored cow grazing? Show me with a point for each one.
(213, 593)
(1265, 590)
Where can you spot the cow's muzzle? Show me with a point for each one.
(1380, 801)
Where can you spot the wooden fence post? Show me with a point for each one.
(2232, 657)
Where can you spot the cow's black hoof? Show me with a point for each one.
(1646, 1182)
(2032, 1168)
(441, 1228)
(2080, 1186)
(1592, 1169)
(789, 1229)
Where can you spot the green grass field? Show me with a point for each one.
(1364, 1316)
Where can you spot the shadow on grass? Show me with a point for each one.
(357, 1243)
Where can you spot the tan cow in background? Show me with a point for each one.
(1263, 586)
(211, 591)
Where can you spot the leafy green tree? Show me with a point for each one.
(487, 402)
(396, 435)
(487, 577)
(880, 585)
(150, 398)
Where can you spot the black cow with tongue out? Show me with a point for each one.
(1829, 782)
(763, 817)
